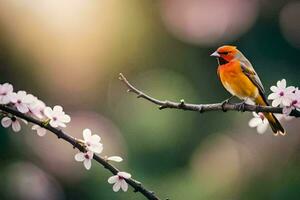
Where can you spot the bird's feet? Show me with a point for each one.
(226, 101)
(241, 106)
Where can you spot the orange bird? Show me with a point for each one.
(240, 79)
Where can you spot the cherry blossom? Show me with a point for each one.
(260, 122)
(86, 158)
(36, 109)
(119, 181)
(57, 116)
(294, 104)
(5, 93)
(281, 94)
(13, 122)
(92, 141)
(39, 130)
(22, 100)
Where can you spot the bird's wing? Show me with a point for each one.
(249, 71)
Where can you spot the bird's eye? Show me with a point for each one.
(224, 53)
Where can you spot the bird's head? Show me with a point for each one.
(226, 54)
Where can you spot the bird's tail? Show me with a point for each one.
(273, 121)
(275, 124)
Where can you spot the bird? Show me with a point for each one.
(239, 78)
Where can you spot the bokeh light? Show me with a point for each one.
(208, 22)
(26, 181)
(289, 23)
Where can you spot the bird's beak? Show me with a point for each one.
(215, 54)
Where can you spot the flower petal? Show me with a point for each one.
(113, 179)
(86, 134)
(287, 110)
(255, 114)
(61, 124)
(95, 138)
(281, 84)
(274, 89)
(65, 118)
(290, 89)
(6, 122)
(13, 97)
(7, 87)
(57, 109)
(41, 131)
(96, 148)
(117, 186)
(5, 99)
(87, 164)
(262, 128)
(124, 185)
(48, 112)
(53, 123)
(115, 158)
(254, 122)
(79, 157)
(286, 101)
(273, 96)
(22, 108)
(16, 126)
(21, 94)
(276, 102)
(35, 127)
(124, 175)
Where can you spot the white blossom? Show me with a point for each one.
(92, 141)
(86, 158)
(22, 100)
(57, 116)
(260, 122)
(119, 181)
(39, 130)
(281, 94)
(6, 91)
(13, 122)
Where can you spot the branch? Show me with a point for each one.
(138, 187)
(203, 107)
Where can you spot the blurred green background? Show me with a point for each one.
(70, 53)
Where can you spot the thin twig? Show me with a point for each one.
(203, 107)
(137, 186)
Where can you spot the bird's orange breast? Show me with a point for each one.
(236, 82)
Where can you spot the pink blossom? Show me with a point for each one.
(281, 94)
(260, 122)
(39, 130)
(119, 181)
(86, 158)
(6, 91)
(92, 141)
(57, 116)
(13, 122)
(22, 100)
(294, 104)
